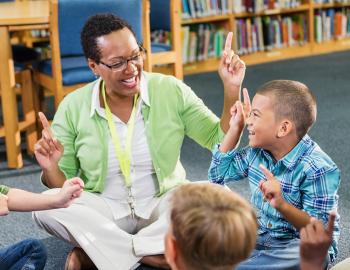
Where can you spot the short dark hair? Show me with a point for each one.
(97, 26)
(292, 100)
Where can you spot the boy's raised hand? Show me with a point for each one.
(240, 111)
(315, 240)
(3, 205)
(71, 189)
(271, 188)
(48, 150)
(231, 67)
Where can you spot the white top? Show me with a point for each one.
(143, 177)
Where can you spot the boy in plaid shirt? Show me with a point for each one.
(290, 177)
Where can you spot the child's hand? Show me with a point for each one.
(315, 241)
(71, 189)
(271, 188)
(3, 205)
(240, 112)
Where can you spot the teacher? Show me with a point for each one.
(122, 134)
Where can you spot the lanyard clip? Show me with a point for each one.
(131, 203)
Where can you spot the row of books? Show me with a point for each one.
(331, 1)
(202, 41)
(254, 6)
(331, 24)
(203, 8)
(267, 33)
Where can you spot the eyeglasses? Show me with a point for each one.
(122, 63)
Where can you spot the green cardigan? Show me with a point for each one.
(173, 112)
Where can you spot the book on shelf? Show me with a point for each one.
(331, 24)
(270, 32)
(201, 42)
(203, 8)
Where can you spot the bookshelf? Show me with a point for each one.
(299, 28)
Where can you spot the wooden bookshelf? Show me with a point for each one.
(309, 48)
(301, 8)
(207, 19)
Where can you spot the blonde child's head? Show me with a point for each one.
(211, 228)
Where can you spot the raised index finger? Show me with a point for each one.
(331, 220)
(266, 172)
(246, 98)
(46, 124)
(228, 42)
(43, 120)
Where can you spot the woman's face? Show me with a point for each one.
(121, 62)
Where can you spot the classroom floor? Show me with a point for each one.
(326, 75)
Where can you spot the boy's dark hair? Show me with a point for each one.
(292, 100)
(97, 26)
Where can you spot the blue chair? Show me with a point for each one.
(166, 15)
(68, 69)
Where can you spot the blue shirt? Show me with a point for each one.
(309, 181)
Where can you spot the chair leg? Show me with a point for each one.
(29, 110)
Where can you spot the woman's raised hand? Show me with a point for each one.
(231, 67)
(48, 150)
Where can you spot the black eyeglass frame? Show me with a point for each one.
(126, 60)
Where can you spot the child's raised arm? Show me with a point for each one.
(23, 201)
(239, 113)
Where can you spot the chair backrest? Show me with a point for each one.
(72, 15)
(160, 15)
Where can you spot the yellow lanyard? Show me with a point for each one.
(123, 156)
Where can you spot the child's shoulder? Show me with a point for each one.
(314, 159)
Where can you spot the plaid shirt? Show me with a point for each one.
(309, 181)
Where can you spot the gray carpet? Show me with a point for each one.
(327, 75)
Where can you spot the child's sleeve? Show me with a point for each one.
(229, 166)
(4, 189)
(319, 197)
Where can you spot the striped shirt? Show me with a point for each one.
(309, 181)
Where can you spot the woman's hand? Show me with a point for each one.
(48, 150)
(231, 67)
(71, 189)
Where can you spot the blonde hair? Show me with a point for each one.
(213, 227)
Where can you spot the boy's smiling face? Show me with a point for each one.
(261, 124)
